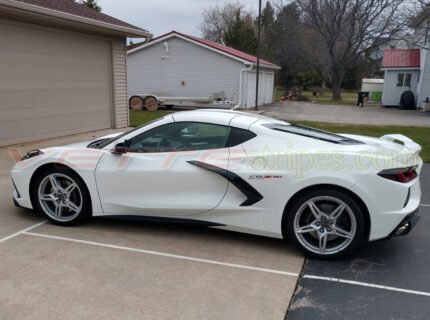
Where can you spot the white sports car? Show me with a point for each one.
(326, 192)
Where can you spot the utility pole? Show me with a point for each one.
(258, 54)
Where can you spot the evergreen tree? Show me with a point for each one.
(241, 34)
(91, 4)
(268, 36)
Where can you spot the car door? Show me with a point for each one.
(161, 173)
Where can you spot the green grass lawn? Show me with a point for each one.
(348, 98)
(141, 117)
(419, 135)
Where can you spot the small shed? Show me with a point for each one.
(401, 73)
(181, 65)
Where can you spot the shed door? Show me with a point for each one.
(52, 84)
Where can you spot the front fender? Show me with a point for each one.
(82, 161)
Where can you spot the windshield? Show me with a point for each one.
(109, 141)
(313, 133)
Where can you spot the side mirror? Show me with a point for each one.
(120, 148)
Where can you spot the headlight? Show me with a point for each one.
(31, 154)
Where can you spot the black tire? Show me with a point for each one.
(72, 208)
(343, 235)
(407, 100)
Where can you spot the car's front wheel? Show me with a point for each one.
(62, 197)
(326, 224)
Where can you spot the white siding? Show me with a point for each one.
(424, 84)
(153, 70)
(119, 70)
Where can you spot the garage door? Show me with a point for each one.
(52, 84)
(251, 86)
(265, 88)
(268, 87)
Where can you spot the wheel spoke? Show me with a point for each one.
(305, 229)
(55, 184)
(314, 209)
(47, 197)
(323, 242)
(72, 206)
(342, 233)
(58, 211)
(338, 211)
(70, 188)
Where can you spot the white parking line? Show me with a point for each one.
(424, 205)
(22, 231)
(365, 284)
(163, 254)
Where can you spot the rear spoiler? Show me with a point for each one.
(407, 143)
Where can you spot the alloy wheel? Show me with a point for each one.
(325, 225)
(60, 197)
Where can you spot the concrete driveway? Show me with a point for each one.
(123, 269)
(373, 115)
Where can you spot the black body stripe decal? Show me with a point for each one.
(253, 195)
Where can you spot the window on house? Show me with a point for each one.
(404, 79)
(407, 82)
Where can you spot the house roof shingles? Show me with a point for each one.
(215, 45)
(71, 7)
(401, 58)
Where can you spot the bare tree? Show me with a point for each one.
(316, 59)
(217, 20)
(417, 35)
(347, 28)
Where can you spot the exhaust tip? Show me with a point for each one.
(403, 229)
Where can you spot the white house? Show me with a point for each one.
(62, 69)
(181, 65)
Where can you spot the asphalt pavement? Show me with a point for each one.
(387, 279)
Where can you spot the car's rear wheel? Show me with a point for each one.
(326, 224)
(62, 197)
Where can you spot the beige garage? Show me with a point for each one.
(60, 76)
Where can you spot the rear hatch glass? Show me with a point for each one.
(312, 133)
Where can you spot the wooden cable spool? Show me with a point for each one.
(136, 103)
(151, 104)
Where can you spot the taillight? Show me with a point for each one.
(402, 175)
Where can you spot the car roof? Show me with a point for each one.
(223, 117)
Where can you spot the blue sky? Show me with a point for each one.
(162, 16)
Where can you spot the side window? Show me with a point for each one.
(407, 82)
(239, 136)
(400, 79)
(404, 79)
(181, 136)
